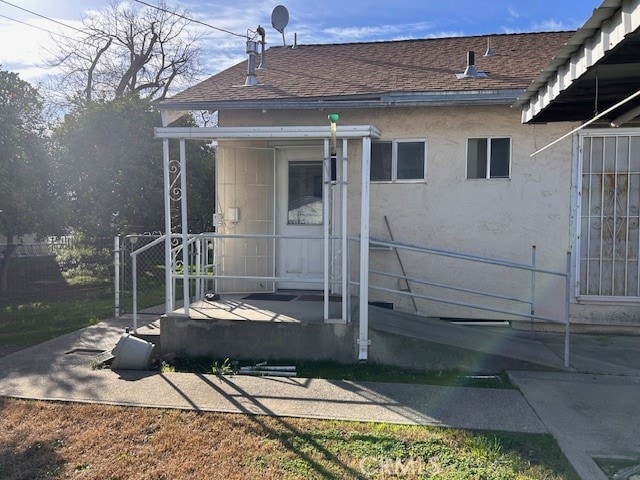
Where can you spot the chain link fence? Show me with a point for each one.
(60, 268)
(83, 268)
(150, 269)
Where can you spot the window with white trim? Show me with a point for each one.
(489, 157)
(399, 161)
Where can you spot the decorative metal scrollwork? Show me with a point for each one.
(175, 192)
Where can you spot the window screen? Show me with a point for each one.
(305, 193)
(381, 161)
(410, 161)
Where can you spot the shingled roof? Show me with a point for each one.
(361, 71)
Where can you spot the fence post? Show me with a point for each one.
(116, 280)
(533, 291)
(567, 300)
(134, 288)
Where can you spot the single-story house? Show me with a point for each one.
(440, 147)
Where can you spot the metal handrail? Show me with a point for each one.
(532, 315)
(447, 253)
(449, 287)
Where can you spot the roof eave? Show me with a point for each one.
(607, 27)
(395, 99)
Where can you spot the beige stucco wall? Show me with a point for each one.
(245, 181)
(500, 218)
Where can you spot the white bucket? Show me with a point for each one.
(131, 353)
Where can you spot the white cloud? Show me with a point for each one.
(550, 25)
(512, 11)
(369, 33)
(31, 46)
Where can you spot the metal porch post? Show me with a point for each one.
(167, 228)
(185, 228)
(116, 279)
(345, 234)
(326, 182)
(363, 337)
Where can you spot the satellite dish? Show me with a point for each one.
(280, 18)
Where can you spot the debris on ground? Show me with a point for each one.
(263, 369)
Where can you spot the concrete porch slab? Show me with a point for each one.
(236, 307)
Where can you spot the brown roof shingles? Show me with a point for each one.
(356, 69)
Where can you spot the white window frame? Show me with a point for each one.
(394, 161)
(488, 159)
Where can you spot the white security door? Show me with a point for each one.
(299, 214)
(609, 239)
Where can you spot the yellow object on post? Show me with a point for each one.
(333, 125)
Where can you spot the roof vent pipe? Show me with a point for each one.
(489, 52)
(471, 71)
(263, 59)
(252, 48)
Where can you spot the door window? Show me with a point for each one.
(305, 193)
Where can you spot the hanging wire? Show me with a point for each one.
(43, 16)
(189, 19)
(35, 26)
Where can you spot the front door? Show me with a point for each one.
(299, 214)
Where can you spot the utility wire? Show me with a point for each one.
(42, 16)
(187, 18)
(35, 26)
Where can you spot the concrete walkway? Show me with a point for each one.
(592, 414)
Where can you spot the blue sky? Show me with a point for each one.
(24, 49)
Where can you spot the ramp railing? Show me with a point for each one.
(521, 304)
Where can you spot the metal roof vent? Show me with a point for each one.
(263, 42)
(252, 50)
(471, 71)
(489, 52)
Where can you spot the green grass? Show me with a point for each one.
(398, 451)
(83, 302)
(31, 323)
(67, 440)
(364, 372)
(372, 372)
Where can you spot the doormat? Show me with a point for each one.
(319, 298)
(276, 297)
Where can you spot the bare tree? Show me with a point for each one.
(126, 49)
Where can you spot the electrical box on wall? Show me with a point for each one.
(218, 219)
(233, 214)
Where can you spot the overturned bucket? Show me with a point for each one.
(131, 353)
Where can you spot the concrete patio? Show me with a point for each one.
(591, 410)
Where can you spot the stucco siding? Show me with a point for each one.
(245, 182)
(499, 218)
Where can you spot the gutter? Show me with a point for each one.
(418, 99)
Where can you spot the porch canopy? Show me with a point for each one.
(176, 171)
(596, 73)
